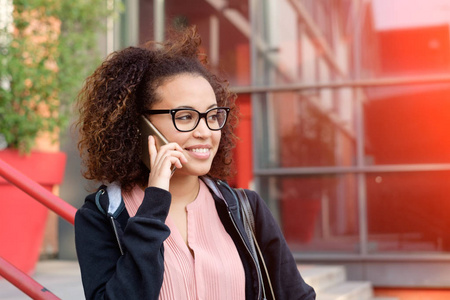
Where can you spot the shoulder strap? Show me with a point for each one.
(249, 224)
(246, 208)
(113, 204)
(213, 185)
(245, 216)
(111, 208)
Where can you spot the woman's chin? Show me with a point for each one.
(192, 172)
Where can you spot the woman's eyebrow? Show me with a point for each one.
(191, 107)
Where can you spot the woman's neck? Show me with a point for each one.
(184, 189)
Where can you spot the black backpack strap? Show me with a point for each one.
(249, 224)
(214, 186)
(103, 204)
(246, 218)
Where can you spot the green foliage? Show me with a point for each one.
(52, 48)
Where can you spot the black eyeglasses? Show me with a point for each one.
(187, 119)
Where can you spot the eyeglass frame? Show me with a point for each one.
(201, 116)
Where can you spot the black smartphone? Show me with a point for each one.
(147, 128)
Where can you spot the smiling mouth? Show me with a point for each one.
(199, 150)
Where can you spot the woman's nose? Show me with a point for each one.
(202, 130)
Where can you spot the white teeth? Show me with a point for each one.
(200, 150)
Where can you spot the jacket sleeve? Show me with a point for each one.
(138, 274)
(286, 280)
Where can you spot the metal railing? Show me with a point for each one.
(18, 278)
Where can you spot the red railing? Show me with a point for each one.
(18, 278)
(24, 282)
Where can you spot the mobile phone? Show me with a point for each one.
(147, 128)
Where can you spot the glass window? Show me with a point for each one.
(407, 124)
(408, 212)
(316, 213)
(412, 37)
(305, 130)
(224, 28)
(396, 124)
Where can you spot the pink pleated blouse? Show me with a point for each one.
(215, 270)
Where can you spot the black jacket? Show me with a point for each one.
(138, 273)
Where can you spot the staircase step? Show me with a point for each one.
(349, 290)
(329, 282)
(322, 277)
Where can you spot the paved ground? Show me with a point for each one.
(62, 278)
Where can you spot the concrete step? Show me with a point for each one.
(348, 290)
(330, 283)
(322, 277)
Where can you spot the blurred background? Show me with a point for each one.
(345, 125)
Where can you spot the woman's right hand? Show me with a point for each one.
(161, 162)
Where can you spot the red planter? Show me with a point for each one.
(23, 219)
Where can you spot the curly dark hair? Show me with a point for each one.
(121, 87)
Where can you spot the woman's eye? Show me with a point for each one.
(184, 117)
(213, 117)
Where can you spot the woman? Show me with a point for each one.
(163, 234)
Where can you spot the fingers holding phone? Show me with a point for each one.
(160, 156)
(163, 161)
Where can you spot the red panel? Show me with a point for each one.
(43, 167)
(22, 218)
(243, 150)
(415, 50)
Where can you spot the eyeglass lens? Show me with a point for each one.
(187, 120)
